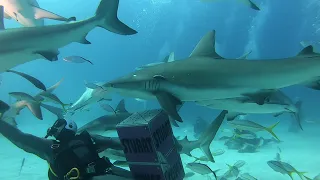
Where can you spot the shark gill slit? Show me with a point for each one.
(152, 85)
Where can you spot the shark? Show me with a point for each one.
(185, 146)
(89, 97)
(277, 103)
(28, 13)
(205, 76)
(107, 122)
(30, 43)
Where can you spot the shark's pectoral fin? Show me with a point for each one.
(169, 103)
(40, 13)
(51, 55)
(84, 40)
(260, 97)
(233, 115)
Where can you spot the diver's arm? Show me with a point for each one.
(27, 142)
(104, 143)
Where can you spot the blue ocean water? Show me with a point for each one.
(166, 26)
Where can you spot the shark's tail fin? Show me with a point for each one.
(108, 13)
(207, 137)
(34, 107)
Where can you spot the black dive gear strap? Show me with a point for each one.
(101, 167)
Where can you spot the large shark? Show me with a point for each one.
(28, 12)
(91, 96)
(30, 43)
(205, 76)
(107, 122)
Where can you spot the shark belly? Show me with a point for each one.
(236, 106)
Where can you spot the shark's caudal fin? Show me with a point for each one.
(108, 13)
(270, 130)
(1, 18)
(121, 107)
(207, 137)
(59, 112)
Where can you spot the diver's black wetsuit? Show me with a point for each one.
(42, 147)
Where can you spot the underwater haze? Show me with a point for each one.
(166, 26)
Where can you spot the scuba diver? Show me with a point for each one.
(70, 156)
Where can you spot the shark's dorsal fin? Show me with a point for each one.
(245, 55)
(121, 108)
(206, 47)
(1, 18)
(169, 58)
(307, 51)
